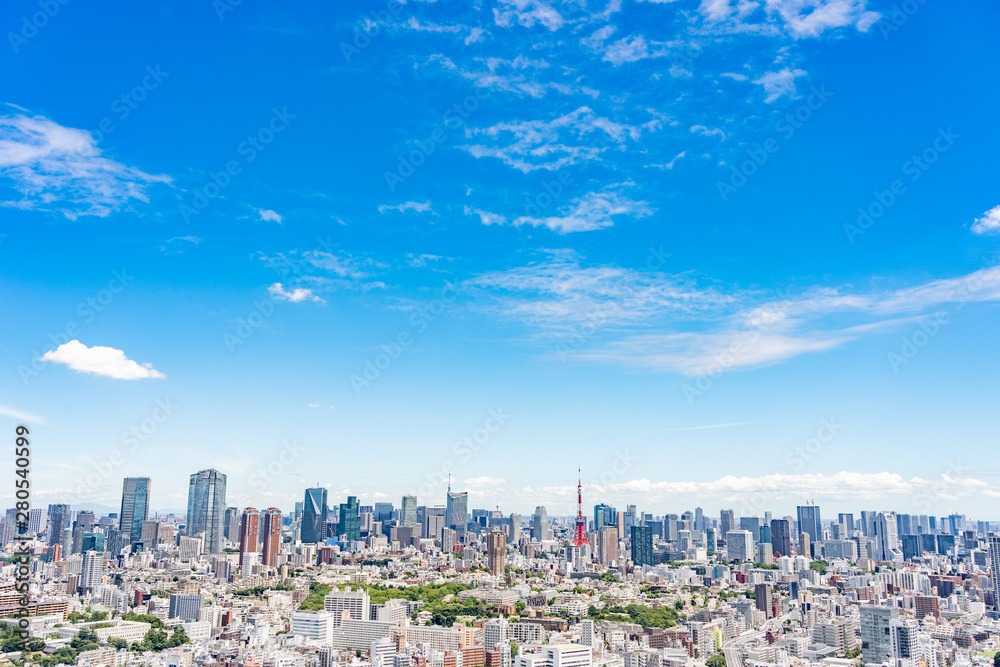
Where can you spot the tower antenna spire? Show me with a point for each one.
(580, 536)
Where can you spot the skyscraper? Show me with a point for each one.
(540, 530)
(994, 546)
(314, 510)
(810, 522)
(456, 513)
(135, 506)
(231, 524)
(85, 519)
(642, 545)
(727, 522)
(270, 531)
(876, 639)
(57, 523)
(781, 537)
(408, 511)
(206, 508)
(249, 532)
(496, 552)
(350, 520)
(886, 537)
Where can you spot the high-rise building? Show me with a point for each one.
(93, 542)
(249, 532)
(314, 511)
(876, 634)
(727, 522)
(886, 538)
(57, 523)
(408, 511)
(994, 544)
(496, 552)
(810, 522)
(85, 520)
(607, 544)
(456, 513)
(847, 521)
(231, 524)
(739, 546)
(207, 508)
(135, 506)
(605, 515)
(270, 532)
(642, 545)
(92, 569)
(349, 524)
(805, 544)
(781, 537)
(540, 530)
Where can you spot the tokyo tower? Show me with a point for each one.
(580, 538)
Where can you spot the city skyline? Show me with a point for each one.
(706, 251)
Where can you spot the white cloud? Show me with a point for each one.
(61, 169)
(661, 322)
(527, 13)
(669, 165)
(19, 415)
(420, 261)
(779, 84)
(484, 481)
(104, 361)
(418, 206)
(734, 76)
(486, 217)
(708, 132)
(313, 405)
(531, 145)
(798, 18)
(268, 215)
(595, 210)
(989, 223)
(296, 295)
(629, 50)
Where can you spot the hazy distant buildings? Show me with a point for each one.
(57, 524)
(408, 511)
(206, 508)
(540, 530)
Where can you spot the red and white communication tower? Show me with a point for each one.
(581, 524)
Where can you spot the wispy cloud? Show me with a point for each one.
(595, 210)
(19, 415)
(418, 206)
(61, 169)
(779, 84)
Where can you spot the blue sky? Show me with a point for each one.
(713, 254)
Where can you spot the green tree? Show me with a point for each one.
(996, 659)
(717, 660)
(818, 565)
(119, 644)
